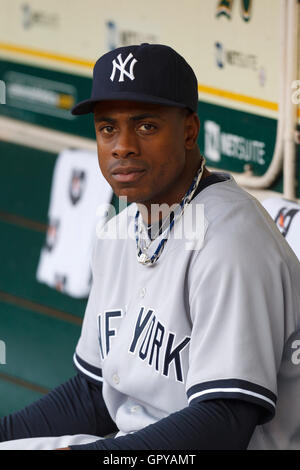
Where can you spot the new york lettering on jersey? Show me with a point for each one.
(150, 341)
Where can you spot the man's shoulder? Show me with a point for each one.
(220, 187)
(226, 204)
(237, 223)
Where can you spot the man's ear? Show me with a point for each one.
(191, 130)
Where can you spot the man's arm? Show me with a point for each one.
(208, 425)
(75, 407)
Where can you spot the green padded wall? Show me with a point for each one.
(40, 326)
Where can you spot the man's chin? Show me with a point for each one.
(131, 195)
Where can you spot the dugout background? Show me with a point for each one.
(47, 51)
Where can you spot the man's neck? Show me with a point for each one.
(150, 215)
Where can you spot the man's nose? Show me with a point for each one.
(125, 144)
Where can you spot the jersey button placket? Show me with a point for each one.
(143, 292)
(116, 379)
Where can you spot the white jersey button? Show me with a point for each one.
(116, 379)
(135, 409)
(143, 292)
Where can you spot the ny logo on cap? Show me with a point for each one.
(121, 66)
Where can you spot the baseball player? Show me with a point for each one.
(190, 338)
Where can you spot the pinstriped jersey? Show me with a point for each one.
(218, 321)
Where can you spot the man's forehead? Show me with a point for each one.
(131, 107)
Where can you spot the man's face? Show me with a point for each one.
(141, 149)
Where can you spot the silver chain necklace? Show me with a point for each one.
(139, 228)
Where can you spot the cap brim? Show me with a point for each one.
(87, 106)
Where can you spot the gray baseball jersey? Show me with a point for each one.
(219, 321)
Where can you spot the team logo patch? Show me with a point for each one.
(121, 66)
(51, 236)
(284, 219)
(77, 185)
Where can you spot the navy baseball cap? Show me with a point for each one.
(149, 73)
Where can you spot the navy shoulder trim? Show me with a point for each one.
(235, 388)
(93, 373)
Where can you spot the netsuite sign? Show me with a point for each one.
(218, 143)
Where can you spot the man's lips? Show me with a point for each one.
(127, 174)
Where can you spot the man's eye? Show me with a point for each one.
(106, 129)
(147, 127)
